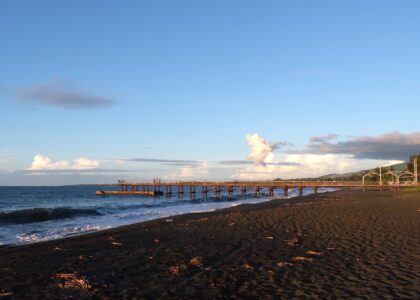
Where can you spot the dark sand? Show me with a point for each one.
(365, 245)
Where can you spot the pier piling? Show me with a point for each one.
(300, 191)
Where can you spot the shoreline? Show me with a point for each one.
(363, 243)
(288, 199)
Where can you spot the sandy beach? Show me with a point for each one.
(333, 245)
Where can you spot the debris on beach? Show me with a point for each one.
(114, 241)
(169, 220)
(248, 267)
(310, 252)
(196, 261)
(292, 242)
(269, 238)
(174, 270)
(302, 258)
(59, 249)
(156, 240)
(282, 264)
(71, 281)
(4, 293)
(231, 224)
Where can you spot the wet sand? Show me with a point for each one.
(334, 245)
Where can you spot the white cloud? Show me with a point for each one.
(261, 150)
(41, 163)
(265, 160)
(269, 165)
(192, 172)
(85, 163)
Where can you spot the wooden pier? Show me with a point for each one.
(157, 187)
(139, 193)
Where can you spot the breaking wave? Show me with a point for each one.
(44, 214)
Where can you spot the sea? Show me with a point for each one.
(34, 214)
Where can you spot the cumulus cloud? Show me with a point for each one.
(313, 165)
(263, 163)
(41, 163)
(195, 172)
(62, 96)
(389, 146)
(191, 172)
(261, 150)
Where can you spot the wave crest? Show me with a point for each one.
(43, 214)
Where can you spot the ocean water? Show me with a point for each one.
(33, 214)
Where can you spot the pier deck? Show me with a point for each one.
(138, 193)
(157, 187)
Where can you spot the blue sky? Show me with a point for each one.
(188, 80)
